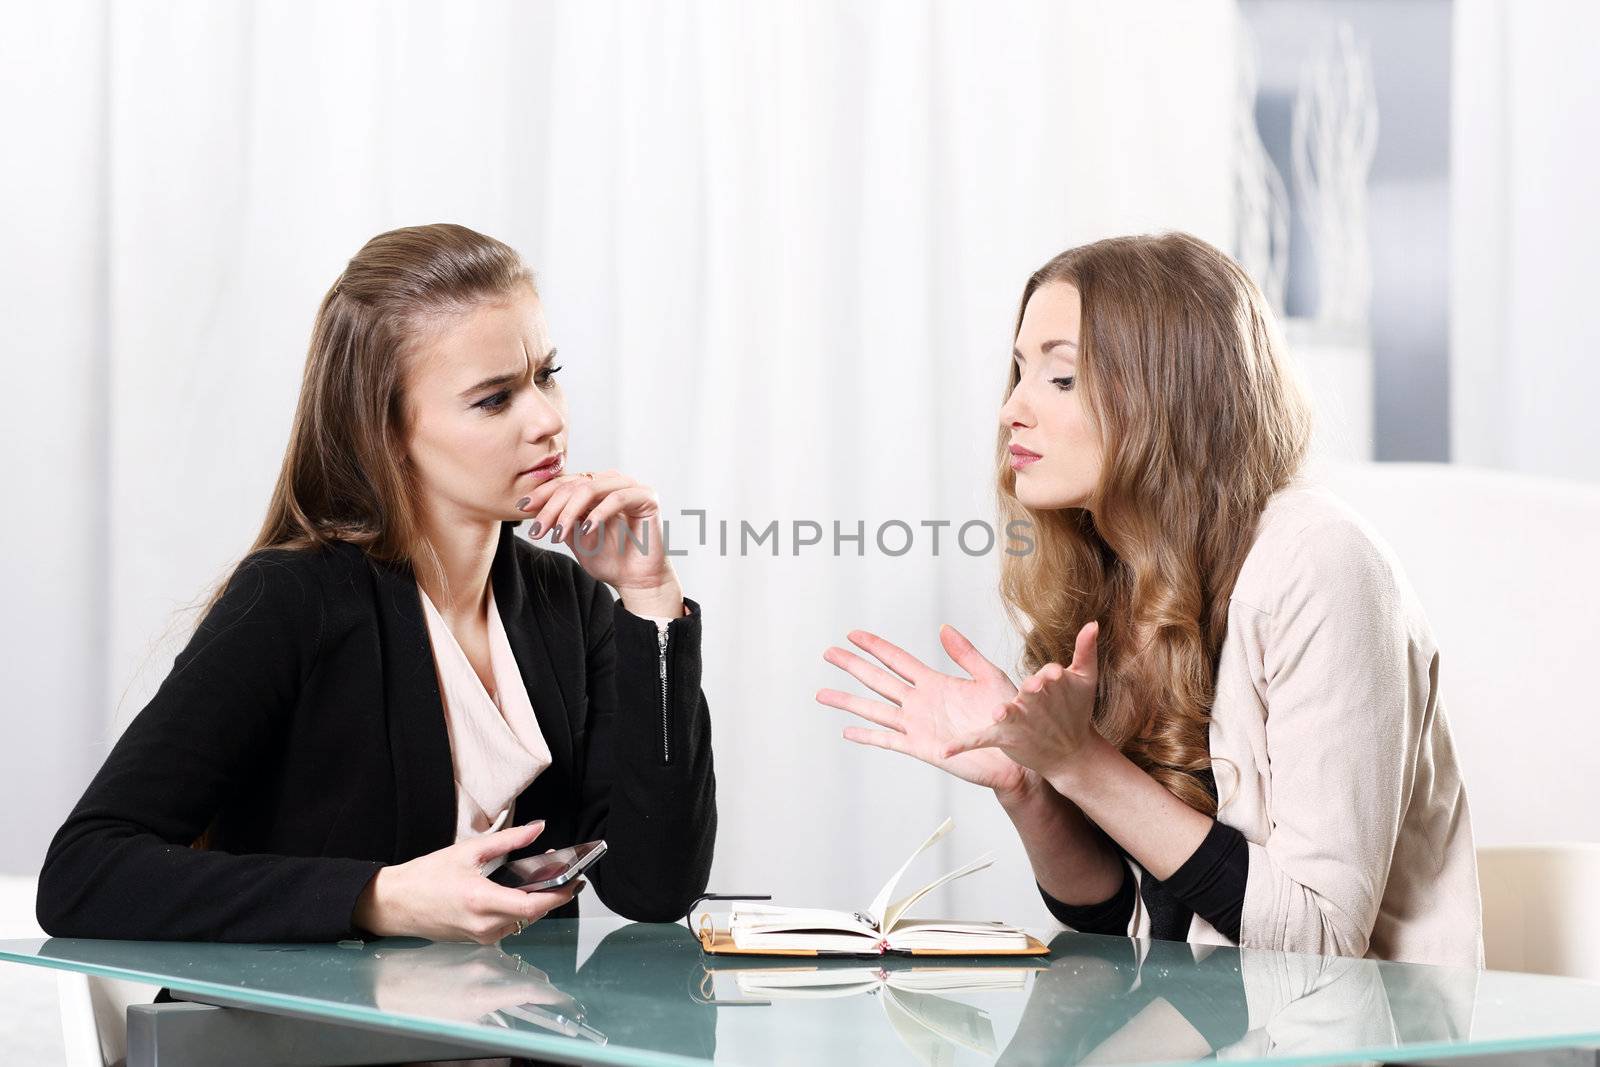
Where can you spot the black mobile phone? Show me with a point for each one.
(549, 870)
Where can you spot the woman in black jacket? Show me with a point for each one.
(300, 775)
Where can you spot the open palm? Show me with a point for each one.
(925, 711)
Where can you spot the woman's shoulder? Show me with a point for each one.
(279, 567)
(274, 590)
(314, 567)
(1310, 543)
(317, 585)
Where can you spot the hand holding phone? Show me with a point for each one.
(549, 870)
(441, 896)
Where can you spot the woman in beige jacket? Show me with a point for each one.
(1232, 729)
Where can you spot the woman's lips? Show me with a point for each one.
(548, 469)
(1021, 457)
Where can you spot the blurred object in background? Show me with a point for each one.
(1366, 294)
(1334, 136)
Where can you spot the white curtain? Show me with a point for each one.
(1525, 221)
(780, 247)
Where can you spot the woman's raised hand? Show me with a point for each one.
(924, 711)
(613, 525)
(444, 895)
(1050, 722)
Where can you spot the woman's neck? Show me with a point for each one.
(466, 552)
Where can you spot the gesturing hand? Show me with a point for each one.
(1051, 720)
(927, 710)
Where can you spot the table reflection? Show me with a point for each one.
(1093, 1000)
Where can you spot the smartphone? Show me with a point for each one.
(549, 870)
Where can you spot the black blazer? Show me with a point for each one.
(305, 716)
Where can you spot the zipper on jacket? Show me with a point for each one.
(666, 716)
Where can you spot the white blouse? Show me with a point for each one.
(496, 745)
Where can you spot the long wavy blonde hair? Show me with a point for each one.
(1200, 420)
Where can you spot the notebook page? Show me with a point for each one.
(892, 914)
(880, 903)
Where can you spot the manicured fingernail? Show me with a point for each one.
(533, 531)
(585, 526)
(523, 502)
(555, 532)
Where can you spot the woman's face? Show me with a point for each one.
(1055, 450)
(486, 410)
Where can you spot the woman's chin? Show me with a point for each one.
(1037, 497)
(1043, 498)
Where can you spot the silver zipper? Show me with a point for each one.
(666, 737)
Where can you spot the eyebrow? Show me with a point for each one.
(503, 379)
(1047, 347)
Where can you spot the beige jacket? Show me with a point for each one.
(1333, 752)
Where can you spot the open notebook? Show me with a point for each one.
(755, 928)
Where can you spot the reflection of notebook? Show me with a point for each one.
(933, 1027)
(884, 927)
(848, 981)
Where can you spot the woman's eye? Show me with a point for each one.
(1063, 384)
(495, 402)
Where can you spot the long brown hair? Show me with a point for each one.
(1201, 420)
(346, 474)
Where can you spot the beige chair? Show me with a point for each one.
(1538, 908)
(94, 1017)
(94, 1011)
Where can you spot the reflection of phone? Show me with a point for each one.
(551, 1019)
(550, 869)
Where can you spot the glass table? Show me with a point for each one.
(606, 991)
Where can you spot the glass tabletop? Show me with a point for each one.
(606, 991)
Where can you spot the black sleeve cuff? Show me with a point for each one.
(1110, 916)
(637, 630)
(656, 735)
(1211, 881)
